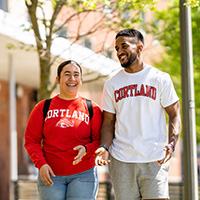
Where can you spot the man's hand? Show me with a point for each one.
(169, 150)
(45, 170)
(81, 152)
(101, 156)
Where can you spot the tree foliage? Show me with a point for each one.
(192, 3)
(166, 29)
(114, 15)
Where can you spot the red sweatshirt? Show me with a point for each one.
(66, 126)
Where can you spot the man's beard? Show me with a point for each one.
(130, 61)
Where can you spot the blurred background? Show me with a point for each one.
(35, 36)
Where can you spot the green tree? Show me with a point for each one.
(167, 30)
(114, 15)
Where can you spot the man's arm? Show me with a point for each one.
(107, 135)
(107, 129)
(173, 112)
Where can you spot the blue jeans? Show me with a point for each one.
(79, 186)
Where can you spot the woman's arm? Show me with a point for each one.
(33, 136)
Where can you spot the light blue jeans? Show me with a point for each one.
(79, 186)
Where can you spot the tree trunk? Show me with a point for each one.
(44, 75)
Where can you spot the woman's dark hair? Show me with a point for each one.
(67, 62)
(131, 33)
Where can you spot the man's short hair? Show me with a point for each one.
(131, 33)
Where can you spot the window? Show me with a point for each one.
(4, 5)
(62, 33)
(143, 18)
(87, 43)
(109, 53)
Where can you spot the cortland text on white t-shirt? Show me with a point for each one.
(135, 90)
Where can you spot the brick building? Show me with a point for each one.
(24, 64)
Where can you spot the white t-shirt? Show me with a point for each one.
(138, 100)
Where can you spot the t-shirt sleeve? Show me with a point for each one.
(168, 94)
(108, 98)
(33, 136)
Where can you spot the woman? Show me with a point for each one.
(69, 139)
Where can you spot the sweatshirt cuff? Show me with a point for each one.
(40, 164)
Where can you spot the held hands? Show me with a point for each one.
(45, 170)
(101, 156)
(81, 152)
(169, 150)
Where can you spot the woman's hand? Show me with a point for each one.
(45, 170)
(81, 152)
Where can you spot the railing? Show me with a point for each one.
(27, 190)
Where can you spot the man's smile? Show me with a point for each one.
(122, 57)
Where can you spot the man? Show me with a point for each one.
(134, 124)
